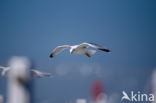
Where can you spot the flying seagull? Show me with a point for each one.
(79, 49)
(34, 72)
(39, 74)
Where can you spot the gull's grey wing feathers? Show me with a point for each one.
(58, 50)
(93, 45)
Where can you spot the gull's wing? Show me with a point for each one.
(2, 68)
(93, 45)
(58, 50)
(37, 73)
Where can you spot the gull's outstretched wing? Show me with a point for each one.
(37, 73)
(93, 45)
(58, 50)
(2, 68)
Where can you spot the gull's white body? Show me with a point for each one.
(78, 50)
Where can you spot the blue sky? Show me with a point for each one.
(35, 28)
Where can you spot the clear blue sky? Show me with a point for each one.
(35, 28)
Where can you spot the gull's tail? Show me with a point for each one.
(90, 52)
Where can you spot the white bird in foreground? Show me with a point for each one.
(79, 49)
(34, 72)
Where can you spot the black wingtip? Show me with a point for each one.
(105, 50)
(101, 48)
(51, 56)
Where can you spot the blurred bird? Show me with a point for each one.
(79, 49)
(39, 74)
(35, 73)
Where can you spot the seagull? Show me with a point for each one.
(34, 72)
(39, 74)
(79, 49)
